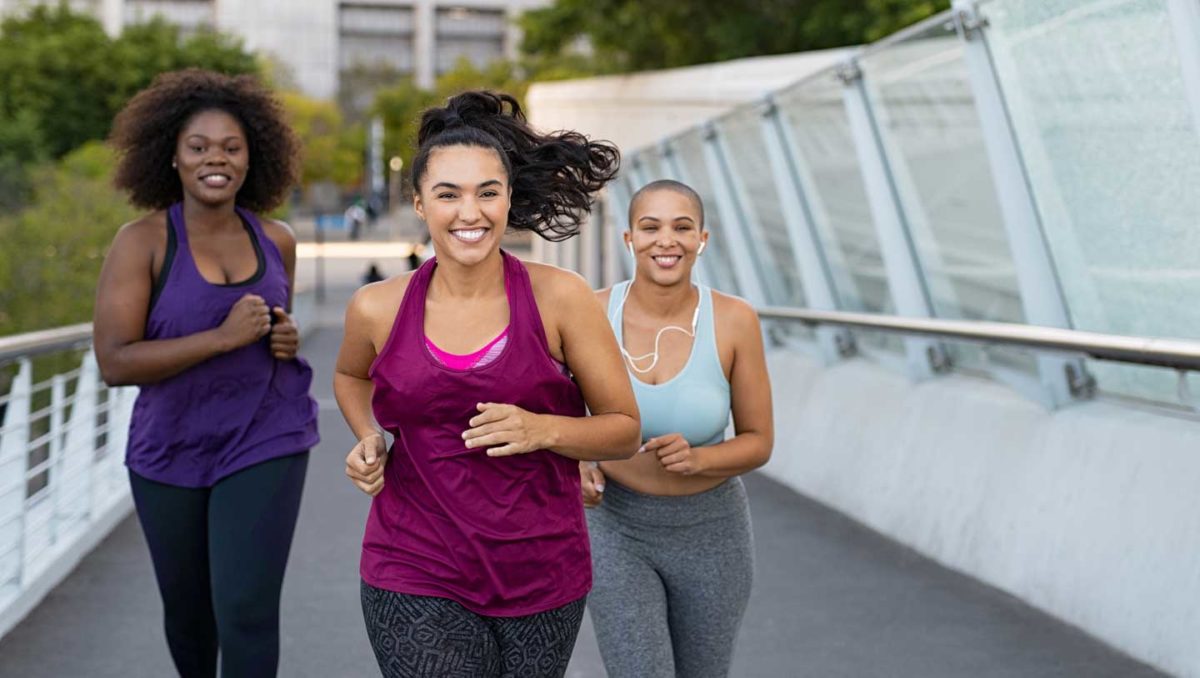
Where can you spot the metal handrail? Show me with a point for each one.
(45, 341)
(1178, 354)
(1160, 352)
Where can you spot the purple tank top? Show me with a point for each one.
(231, 411)
(502, 536)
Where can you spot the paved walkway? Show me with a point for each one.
(831, 599)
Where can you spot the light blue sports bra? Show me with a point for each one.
(694, 402)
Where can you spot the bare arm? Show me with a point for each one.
(285, 334)
(123, 302)
(613, 431)
(750, 399)
(353, 388)
(352, 385)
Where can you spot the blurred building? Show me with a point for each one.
(338, 47)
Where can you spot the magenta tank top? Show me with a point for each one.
(501, 536)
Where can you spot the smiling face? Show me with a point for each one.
(212, 157)
(464, 199)
(666, 234)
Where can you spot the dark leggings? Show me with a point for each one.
(427, 637)
(219, 554)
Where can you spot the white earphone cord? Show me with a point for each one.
(654, 353)
(658, 336)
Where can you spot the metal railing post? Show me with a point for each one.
(1064, 379)
(905, 277)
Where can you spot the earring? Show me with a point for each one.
(174, 165)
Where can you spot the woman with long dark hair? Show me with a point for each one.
(484, 369)
(192, 306)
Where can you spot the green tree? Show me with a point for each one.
(21, 146)
(60, 67)
(53, 67)
(630, 35)
(54, 248)
(400, 108)
(333, 150)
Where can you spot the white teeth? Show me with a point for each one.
(216, 179)
(667, 260)
(472, 235)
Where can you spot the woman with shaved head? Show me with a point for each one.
(670, 527)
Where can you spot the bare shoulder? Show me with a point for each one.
(147, 230)
(556, 284)
(141, 240)
(279, 232)
(735, 306)
(603, 296)
(733, 311)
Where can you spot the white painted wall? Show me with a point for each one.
(1091, 513)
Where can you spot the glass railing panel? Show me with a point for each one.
(815, 116)
(759, 201)
(689, 152)
(922, 100)
(1099, 108)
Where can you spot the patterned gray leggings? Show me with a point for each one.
(427, 637)
(672, 578)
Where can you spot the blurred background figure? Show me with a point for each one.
(373, 274)
(355, 217)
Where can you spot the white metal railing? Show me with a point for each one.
(63, 486)
(62, 478)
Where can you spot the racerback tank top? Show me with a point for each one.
(502, 536)
(231, 411)
(693, 403)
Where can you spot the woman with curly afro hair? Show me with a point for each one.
(192, 306)
(495, 376)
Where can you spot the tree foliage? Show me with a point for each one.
(53, 249)
(61, 69)
(333, 149)
(631, 35)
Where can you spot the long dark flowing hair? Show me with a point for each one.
(554, 176)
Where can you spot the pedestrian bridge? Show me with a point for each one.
(973, 246)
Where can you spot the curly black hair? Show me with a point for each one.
(553, 176)
(145, 133)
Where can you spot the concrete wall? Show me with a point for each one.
(1091, 513)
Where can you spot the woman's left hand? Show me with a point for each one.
(674, 453)
(506, 430)
(285, 335)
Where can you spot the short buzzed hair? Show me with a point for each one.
(668, 185)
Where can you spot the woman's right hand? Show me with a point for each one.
(365, 464)
(248, 321)
(591, 481)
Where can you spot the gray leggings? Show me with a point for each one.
(672, 578)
